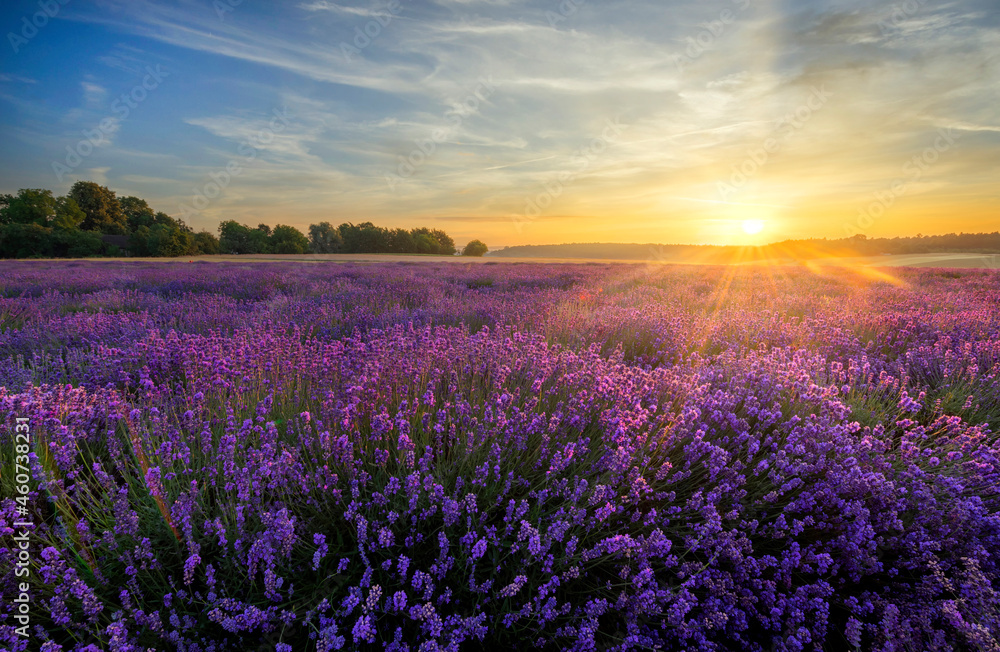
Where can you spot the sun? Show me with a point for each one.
(753, 227)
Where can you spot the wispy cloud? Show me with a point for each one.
(895, 79)
(94, 95)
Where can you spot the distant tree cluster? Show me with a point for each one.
(985, 243)
(366, 238)
(236, 238)
(324, 238)
(92, 221)
(475, 248)
(858, 245)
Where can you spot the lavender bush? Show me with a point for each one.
(449, 457)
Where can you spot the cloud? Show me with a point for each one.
(98, 175)
(93, 94)
(322, 5)
(6, 77)
(895, 78)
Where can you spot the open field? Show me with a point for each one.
(958, 260)
(460, 457)
(955, 260)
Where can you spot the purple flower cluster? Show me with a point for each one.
(442, 457)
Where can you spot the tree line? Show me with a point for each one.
(324, 238)
(858, 245)
(91, 220)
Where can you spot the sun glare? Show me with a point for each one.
(753, 227)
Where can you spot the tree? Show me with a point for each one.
(68, 216)
(178, 222)
(234, 238)
(365, 238)
(139, 241)
(401, 242)
(433, 241)
(74, 243)
(324, 238)
(423, 243)
(166, 220)
(260, 240)
(137, 212)
(205, 243)
(20, 240)
(288, 240)
(164, 240)
(101, 207)
(475, 248)
(30, 206)
(445, 245)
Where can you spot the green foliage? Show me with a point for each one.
(74, 243)
(475, 248)
(30, 206)
(72, 226)
(363, 238)
(260, 241)
(234, 238)
(366, 238)
(401, 241)
(433, 241)
(205, 243)
(423, 244)
(165, 236)
(137, 212)
(164, 240)
(288, 240)
(38, 206)
(446, 245)
(68, 216)
(101, 208)
(30, 240)
(324, 238)
(138, 241)
(166, 220)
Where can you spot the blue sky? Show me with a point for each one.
(517, 121)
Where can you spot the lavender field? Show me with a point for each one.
(425, 457)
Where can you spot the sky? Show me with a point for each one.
(517, 121)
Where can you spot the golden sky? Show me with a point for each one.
(519, 122)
